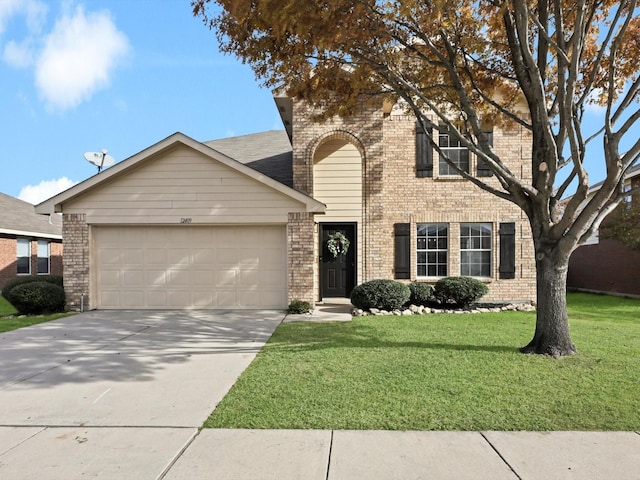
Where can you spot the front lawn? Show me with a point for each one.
(8, 320)
(444, 372)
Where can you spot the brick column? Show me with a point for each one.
(301, 257)
(75, 262)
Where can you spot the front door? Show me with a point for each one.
(337, 260)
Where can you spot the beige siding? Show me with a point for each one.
(337, 181)
(183, 185)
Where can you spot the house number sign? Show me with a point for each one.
(185, 220)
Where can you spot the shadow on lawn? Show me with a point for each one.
(310, 337)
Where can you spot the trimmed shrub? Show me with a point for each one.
(36, 298)
(460, 291)
(299, 306)
(11, 284)
(421, 293)
(383, 294)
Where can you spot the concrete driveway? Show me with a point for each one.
(71, 389)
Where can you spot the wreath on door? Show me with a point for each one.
(338, 243)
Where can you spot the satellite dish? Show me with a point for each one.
(100, 159)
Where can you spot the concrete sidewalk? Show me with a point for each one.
(387, 455)
(182, 453)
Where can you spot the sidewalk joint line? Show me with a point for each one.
(178, 455)
(500, 455)
(329, 459)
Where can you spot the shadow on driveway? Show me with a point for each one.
(92, 367)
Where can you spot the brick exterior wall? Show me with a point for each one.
(75, 233)
(8, 258)
(301, 245)
(392, 193)
(608, 266)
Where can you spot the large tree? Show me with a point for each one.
(469, 61)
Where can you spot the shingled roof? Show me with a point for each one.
(19, 218)
(267, 152)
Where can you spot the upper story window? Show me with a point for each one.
(44, 254)
(453, 149)
(432, 249)
(23, 256)
(475, 249)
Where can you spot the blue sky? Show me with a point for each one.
(120, 75)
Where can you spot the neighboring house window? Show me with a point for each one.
(432, 249)
(24, 256)
(475, 249)
(452, 149)
(628, 198)
(43, 257)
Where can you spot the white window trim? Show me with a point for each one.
(28, 241)
(48, 257)
(490, 250)
(454, 175)
(426, 250)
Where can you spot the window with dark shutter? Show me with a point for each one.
(482, 166)
(507, 250)
(424, 152)
(402, 250)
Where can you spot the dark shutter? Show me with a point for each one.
(402, 250)
(507, 250)
(424, 152)
(483, 167)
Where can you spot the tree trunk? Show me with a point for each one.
(552, 322)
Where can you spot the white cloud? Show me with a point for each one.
(35, 11)
(19, 55)
(8, 8)
(79, 57)
(45, 189)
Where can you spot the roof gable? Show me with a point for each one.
(143, 160)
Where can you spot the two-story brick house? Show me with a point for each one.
(245, 222)
(409, 215)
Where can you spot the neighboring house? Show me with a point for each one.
(607, 265)
(30, 244)
(244, 222)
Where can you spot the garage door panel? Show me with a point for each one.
(190, 267)
(133, 278)
(202, 278)
(155, 256)
(131, 298)
(109, 278)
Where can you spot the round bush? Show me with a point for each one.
(36, 298)
(461, 291)
(421, 293)
(11, 284)
(383, 294)
(299, 306)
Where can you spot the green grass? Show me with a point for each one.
(8, 320)
(444, 372)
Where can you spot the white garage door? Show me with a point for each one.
(190, 267)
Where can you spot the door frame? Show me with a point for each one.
(353, 248)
